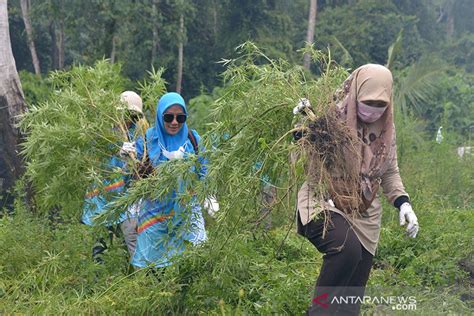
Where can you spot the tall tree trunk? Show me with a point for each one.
(450, 19)
(57, 35)
(57, 40)
(180, 54)
(313, 8)
(29, 35)
(60, 45)
(54, 43)
(12, 105)
(114, 49)
(214, 18)
(155, 40)
(109, 40)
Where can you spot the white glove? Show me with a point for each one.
(407, 215)
(171, 155)
(302, 104)
(128, 148)
(211, 205)
(134, 209)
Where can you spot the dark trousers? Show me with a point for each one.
(346, 266)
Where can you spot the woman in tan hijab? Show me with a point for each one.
(348, 242)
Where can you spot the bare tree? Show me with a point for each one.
(313, 8)
(155, 40)
(180, 54)
(56, 32)
(114, 48)
(12, 105)
(215, 7)
(54, 48)
(450, 18)
(61, 44)
(25, 8)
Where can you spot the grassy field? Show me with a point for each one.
(50, 271)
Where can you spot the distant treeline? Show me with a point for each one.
(142, 33)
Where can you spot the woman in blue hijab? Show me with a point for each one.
(165, 225)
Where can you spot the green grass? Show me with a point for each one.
(44, 271)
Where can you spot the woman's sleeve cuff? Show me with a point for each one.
(400, 200)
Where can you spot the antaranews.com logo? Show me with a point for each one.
(398, 303)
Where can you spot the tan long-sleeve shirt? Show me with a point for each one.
(367, 225)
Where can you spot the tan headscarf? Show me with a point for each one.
(368, 157)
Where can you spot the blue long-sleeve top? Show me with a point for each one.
(96, 203)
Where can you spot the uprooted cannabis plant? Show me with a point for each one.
(252, 135)
(249, 142)
(71, 136)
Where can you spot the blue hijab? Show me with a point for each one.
(158, 133)
(157, 136)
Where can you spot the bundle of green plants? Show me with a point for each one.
(250, 140)
(71, 136)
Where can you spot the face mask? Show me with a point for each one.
(369, 114)
(177, 154)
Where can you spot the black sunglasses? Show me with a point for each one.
(133, 116)
(180, 118)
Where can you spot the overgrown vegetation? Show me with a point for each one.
(244, 116)
(46, 266)
(45, 271)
